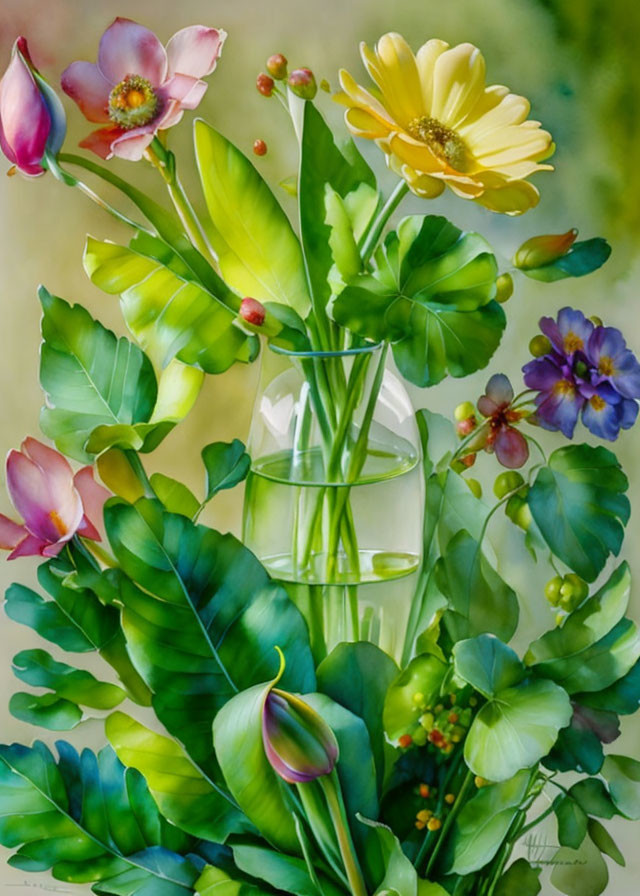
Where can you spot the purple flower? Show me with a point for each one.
(589, 372)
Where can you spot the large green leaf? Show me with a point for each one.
(516, 729)
(520, 879)
(358, 676)
(201, 618)
(258, 251)
(325, 169)
(90, 377)
(424, 675)
(586, 625)
(480, 828)
(578, 503)
(281, 871)
(89, 821)
(75, 619)
(622, 697)
(487, 664)
(433, 296)
(623, 777)
(183, 793)
(480, 601)
(169, 313)
(400, 876)
(580, 872)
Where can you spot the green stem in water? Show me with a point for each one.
(345, 843)
(379, 223)
(165, 162)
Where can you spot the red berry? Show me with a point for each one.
(405, 740)
(252, 311)
(277, 66)
(260, 148)
(264, 84)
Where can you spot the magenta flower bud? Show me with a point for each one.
(299, 744)
(302, 82)
(32, 120)
(252, 311)
(54, 504)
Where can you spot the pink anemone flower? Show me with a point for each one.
(54, 504)
(138, 87)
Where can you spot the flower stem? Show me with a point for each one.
(378, 225)
(165, 162)
(347, 851)
(451, 817)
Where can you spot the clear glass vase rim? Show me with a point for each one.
(339, 353)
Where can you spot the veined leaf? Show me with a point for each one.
(183, 793)
(170, 314)
(201, 618)
(487, 664)
(175, 496)
(216, 882)
(579, 505)
(433, 296)
(90, 377)
(622, 774)
(45, 711)
(258, 251)
(226, 464)
(88, 821)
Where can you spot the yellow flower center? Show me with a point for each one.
(441, 140)
(133, 102)
(597, 403)
(572, 343)
(606, 366)
(564, 387)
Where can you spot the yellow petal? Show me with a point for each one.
(414, 153)
(393, 67)
(364, 124)
(498, 108)
(355, 95)
(511, 144)
(514, 198)
(458, 83)
(425, 60)
(421, 184)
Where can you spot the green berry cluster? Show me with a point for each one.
(441, 726)
(566, 592)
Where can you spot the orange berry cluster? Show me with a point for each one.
(427, 818)
(441, 726)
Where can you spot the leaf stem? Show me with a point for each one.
(371, 241)
(141, 473)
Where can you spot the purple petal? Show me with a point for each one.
(195, 50)
(542, 373)
(601, 418)
(575, 329)
(25, 122)
(85, 83)
(511, 448)
(608, 352)
(628, 412)
(559, 408)
(127, 48)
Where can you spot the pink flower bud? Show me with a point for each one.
(277, 66)
(32, 120)
(303, 83)
(252, 311)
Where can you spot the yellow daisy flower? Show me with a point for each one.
(440, 125)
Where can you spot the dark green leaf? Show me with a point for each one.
(39, 669)
(578, 503)
(202, 620)
(90, 377)
(622, 697)
(226, 463)
(593, 797)
(479, 600)
(88, 820)
(576, 750)
(487, 664)
(323, 163)
(572, 822)
(605, 842)
(520, 879)
(432, 295)
(170, 315)
(258, 251)
(582, 258)
(358, 676)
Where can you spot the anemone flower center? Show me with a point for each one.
(441, 140)
(133, 102)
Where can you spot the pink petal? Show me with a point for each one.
(93, 498)
(186, 90)
(25, 122)
(85, 83)
(52, 550)
(31, 546)
(101, 141)
(511, 448)
(499, 389)
(33, 493)
(171, 115)
(62, 496)
(195, 50)
(127, 48)
(132, 144)
(11, 534)
(48, 459)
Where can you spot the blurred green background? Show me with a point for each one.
(578, 62)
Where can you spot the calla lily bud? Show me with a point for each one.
(299, 744)
(542, 250)
(32, 120)
(252, 311)
(302, 82)
(277, 66)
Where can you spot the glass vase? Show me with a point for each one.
(334, 499)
